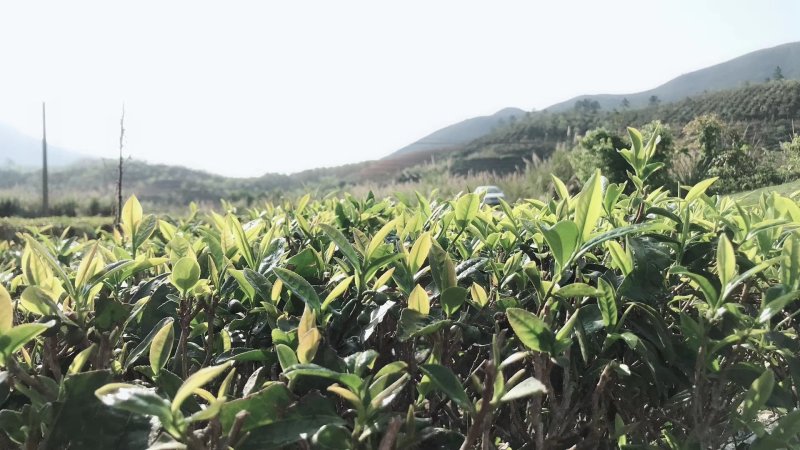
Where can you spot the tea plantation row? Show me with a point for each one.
(617, 317)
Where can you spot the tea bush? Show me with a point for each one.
(617, 317)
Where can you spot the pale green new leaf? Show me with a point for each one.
(161, 347)
(589, 206)
(562, 238)
(6, 311)
(699, 189)
(379, 238)
(531, 330)
(418, 301)
(606, 300)
(726, 260)
(196, 381)
(466, 209)
(185, 274)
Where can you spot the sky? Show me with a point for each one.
(243, 88)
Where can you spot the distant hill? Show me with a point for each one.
(753, 67)
(766, 114)
(462, 132)
(25, 152)
(763, 112)
(156, 184)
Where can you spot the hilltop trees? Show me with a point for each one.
(777, 75)
(587, 105)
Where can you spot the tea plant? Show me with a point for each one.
(618, 317)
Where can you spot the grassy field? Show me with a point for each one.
(78, 226)
(751, 197)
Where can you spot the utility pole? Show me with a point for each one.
(45, 200)
(119, 179)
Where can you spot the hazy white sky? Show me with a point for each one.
(247, 87)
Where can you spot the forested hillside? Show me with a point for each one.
(160, 185)
(462, 132)
(763, 113)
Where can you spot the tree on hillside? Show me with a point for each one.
(625, 103)
(653, 100)
(587, 105)
(777, 75)
(792, 151)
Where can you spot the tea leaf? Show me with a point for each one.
(562, 238)
(161, 347)
(478, 295)
(466, 208)
(526, 388)
(344, 245)
(531, 330)
(756, 397)
(12, 340)
(452, 299)
(418, 301)
(607, 302)
(196, 381)
(185, 274)
(447, 382)
(6, 311)
(299, 287)
(589, 206)
(726, 261)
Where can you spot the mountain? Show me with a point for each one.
(156, 184)
(25, 152)
(764, 114)
(462, 132)
(751, 68)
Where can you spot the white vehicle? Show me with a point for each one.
(491, 194)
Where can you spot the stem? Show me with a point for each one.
(21, 375)
(389, 439)
(180, 361)
(51, 356)
(480, 423)
(210, 311)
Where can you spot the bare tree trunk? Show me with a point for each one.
(45, 199)
(119, 179)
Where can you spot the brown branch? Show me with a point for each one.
(389, 439)
(484, 413)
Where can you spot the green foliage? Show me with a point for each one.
(598, 150)
(604, 317)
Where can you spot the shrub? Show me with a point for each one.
(596, 320)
